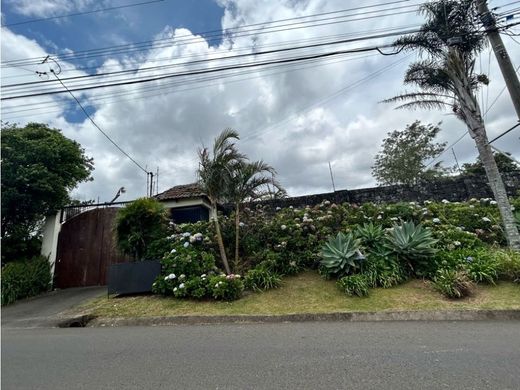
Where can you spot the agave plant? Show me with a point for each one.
(412, 243)
(371, 235)
(341, 255)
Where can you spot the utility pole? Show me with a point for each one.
(151, 183)
(506, 67)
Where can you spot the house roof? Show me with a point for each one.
(183, 191)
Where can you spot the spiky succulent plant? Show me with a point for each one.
(340, 255)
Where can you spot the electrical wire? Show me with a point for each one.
(80, 13)
(202, 71)
(97, 126)
(144, 45)
(167, 88)
(225, 58)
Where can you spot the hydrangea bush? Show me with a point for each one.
(285, 241)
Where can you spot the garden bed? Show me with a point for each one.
(309, 293)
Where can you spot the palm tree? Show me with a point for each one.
(214, 173)
(445, 78)
(249, 181)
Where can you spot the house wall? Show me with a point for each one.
(169, 204)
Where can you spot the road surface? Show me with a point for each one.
(312, 355)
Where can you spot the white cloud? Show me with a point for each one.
(297, 121)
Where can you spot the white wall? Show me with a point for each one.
(51, 230)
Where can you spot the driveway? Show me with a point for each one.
(45, 310)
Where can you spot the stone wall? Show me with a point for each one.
(452, 189)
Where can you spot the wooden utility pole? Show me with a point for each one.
(506, 67)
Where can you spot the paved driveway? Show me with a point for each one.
(44, 310)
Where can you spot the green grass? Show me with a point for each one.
(309, 293)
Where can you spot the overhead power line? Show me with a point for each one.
(96, 125)
(81, 13)
(224, 58)
(219, 34)
(168, 88)
(203, 71)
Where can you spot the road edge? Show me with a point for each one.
(436, 315)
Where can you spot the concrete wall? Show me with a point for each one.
(51, 230)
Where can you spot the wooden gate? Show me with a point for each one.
(86, 247)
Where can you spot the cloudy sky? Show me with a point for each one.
(296, 116)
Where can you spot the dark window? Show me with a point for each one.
(189, 214)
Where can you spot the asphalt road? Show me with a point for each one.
(324, 355)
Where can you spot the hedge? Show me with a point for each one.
(25, 279)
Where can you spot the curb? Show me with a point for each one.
(438, 315)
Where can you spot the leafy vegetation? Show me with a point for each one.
(22, 279)
(138, 225)
(403, 154)
(39, 168)
(444, 78)
(341, 255)
(354, 285)
(453, 283)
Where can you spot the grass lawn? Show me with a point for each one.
(309, 293)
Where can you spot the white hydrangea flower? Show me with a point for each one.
(241, 224)
(186, 234)
(486, 219)
(175, 289)
(182, 276)
(457, 243)
(278, 208)
(173, 250)
(436, 220)
(186, 244)
(445, 201)
(493, 202)
(283, 227)
(379, 216)
(181, 285)
(394, 219)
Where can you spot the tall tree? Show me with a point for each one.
(449, 41)
(403, 154)
(215, 173)
(249, 181)
(39, 168)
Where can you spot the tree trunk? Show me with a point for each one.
(237, 234)
(219, 239)
(497, 186)
(459, 71)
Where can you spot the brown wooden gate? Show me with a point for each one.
(86, 247)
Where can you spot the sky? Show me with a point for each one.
(296, 117)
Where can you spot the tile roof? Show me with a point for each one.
(191, 190)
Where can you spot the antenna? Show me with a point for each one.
(332, 178)
(456, 161)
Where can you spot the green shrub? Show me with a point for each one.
(341, 255)
(354, 285)
(384, 271)
(226, 287)
(412, 243)
(456, 238)
(138, 225)
(370, 235)
(482, 267)
(508, 264)
(453, 283)
(260, 278)
(25, 279)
